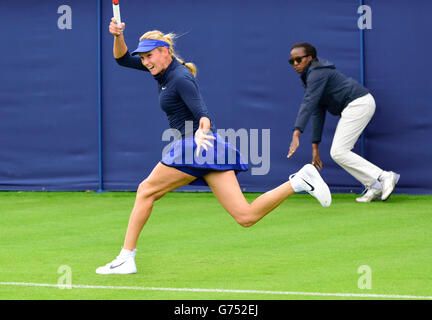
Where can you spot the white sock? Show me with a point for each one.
(127, 253)
(383, 175)
(296, 184)
(376, 185)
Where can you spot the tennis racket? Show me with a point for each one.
(116, 11)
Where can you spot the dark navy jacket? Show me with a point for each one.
(326, 89)
(179, 95)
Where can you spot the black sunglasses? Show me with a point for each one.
(298, 59)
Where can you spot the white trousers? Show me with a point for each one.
(353, 121)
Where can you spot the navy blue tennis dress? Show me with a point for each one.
(180, 99)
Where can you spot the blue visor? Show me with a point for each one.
(147, 45)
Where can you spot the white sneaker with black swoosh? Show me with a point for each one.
(308, 179)
(123, 264)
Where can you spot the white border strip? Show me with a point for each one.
(318, 294)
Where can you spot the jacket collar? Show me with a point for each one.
(305, 72)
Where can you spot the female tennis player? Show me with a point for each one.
(181, 100)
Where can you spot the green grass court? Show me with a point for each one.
(190, 242)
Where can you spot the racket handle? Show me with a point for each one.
(116, 11)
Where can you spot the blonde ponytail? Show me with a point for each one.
(191, 66)
(169, 38)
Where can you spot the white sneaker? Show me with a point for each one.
(308, 179)
(123, 264)
(388, 183)
(371, 194)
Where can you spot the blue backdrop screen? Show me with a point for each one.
(49, 93)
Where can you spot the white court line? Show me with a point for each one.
(318, 294)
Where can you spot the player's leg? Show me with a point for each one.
(160, 181)
(226, 189)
